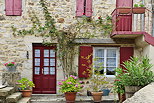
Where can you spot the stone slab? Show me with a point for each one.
(14, 97)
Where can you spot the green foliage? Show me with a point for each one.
(118, 85)
(137, 72)
(139, 4)
(25, 84)
(71, 84)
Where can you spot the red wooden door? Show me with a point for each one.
(44, 69)
(124, 21)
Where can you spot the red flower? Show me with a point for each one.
(117, 80)
(83, 13)
(13, 62)
(99, 17)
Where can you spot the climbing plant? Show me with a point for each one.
(84, 27)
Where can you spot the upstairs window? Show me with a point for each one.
(84, 7)
(106, 60)
(13, 7)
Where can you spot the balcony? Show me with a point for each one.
(130, 24)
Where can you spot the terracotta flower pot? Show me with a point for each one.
(26, 93)
(70, 97)
(97, 96)
(139, 10)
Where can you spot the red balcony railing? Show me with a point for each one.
(131, 24)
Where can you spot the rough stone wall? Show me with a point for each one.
(15, 48)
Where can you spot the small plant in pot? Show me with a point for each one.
(137, 74)
(70, 86)
(139, 8)
(25, 86)
(97, 81)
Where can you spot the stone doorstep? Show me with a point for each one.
(14, 97)
(24, 100)
(50, 98)
(6, 91)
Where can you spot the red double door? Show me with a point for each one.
(44, 69)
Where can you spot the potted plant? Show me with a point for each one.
(11, 66)
(97, 81)
(119, 88)
(70, 86)
(136, 74)
(139, 8)
(25, 86)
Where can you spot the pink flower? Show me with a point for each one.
(80, 81)
(76, 85)
(6, 64)
(63, 80)
(69, 82)
(75, 77)
(60, 83)
(13, 62)
(83, 13)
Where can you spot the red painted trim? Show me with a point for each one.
(149, 39)
(125, 54)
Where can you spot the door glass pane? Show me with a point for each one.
(46, 53)
(52, 70)
(52, 53)
(37, 61)
(46, 62)
(37, 53)
(37, 70)
(111, 53)
(99, 53)
(110, 71)
(46, 70)
(111, 61)
(52, 62)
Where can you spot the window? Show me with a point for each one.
(106, 60)
(84, 7)
(13, 7)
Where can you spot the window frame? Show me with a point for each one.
(105, 58)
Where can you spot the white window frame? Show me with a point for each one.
(105, 57)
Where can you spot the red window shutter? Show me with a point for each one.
(9, 7)
(88, 8)
(125, 54)
(124, 3)
(79, 7)
(17, 7)
(85, 61)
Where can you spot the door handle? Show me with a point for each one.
(42, 70)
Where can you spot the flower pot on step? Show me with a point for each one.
(70, 97)
(26, 93)
(97, 96)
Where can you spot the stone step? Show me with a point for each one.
(6, 91)
(14, 97)
(24, 100)
(79, 99)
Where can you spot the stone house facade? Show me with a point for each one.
(35, 57)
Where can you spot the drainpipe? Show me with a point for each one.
(152, 3)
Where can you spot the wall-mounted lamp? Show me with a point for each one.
(27, 55)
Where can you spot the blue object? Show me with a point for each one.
(106, 92)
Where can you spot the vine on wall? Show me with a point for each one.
(66, 47)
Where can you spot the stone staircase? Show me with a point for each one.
(38, 98)
(9, 95)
